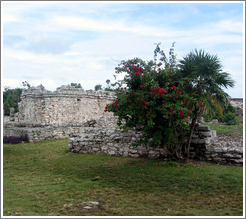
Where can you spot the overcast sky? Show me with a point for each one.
(56, 43)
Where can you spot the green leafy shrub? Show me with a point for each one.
(11, 97)
(230, 119)
(149, 100)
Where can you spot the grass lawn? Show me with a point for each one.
(44, 179)
(229, 130)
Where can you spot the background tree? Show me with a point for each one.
(98, 87)
(108, 83)
(200, 74)
(77, 85)
(25, 84)
(11, 98)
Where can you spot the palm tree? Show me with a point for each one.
(201, 75)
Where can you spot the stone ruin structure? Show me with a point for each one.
(46, 115)
(65, 105)
(79, 114)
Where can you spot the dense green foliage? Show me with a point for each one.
(40, 179)
(150, 100)
(230, 119)
(11, 97)
(77, 85)
(201, 75)
(164, 99)
(98, 87)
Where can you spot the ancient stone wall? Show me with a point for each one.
(65, 105)
(111, 141)
(40, 131)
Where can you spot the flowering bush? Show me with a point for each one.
(149, 100)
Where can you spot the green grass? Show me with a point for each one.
(40, 178)
(229, 130)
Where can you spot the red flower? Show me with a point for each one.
(106, 108)
(152, 89)
(138, 73)
(143, 85)
(145, 102)
(201, 105)
(181, 114)
(161, 91)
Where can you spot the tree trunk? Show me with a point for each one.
(193, 123)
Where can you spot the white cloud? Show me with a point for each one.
(231, 26)
(9, 18)
(12, 83)
(28, 56)
(84, 23)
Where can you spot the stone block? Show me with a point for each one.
(228, 155)
(203, 128)
(219, 160)
(112, 152)
(237, 161)
(133, 155)
(70, 145)
(213, 133)
(206, 134)
(125, 154)
(218, 149)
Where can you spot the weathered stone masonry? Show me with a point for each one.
(111, 141)
(46, 115)
(65, 105)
